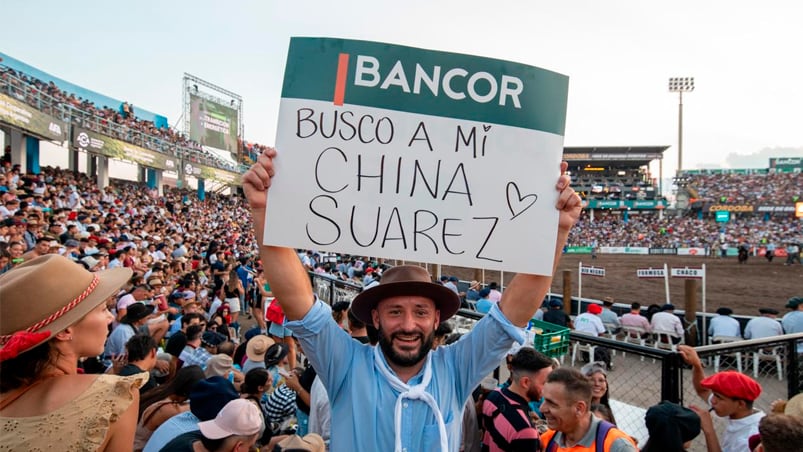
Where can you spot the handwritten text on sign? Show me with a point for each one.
(403, 153)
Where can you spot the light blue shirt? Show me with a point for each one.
(484, 305)
(171, 428)
(363, 401)
(793, 323)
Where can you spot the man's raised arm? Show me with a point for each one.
(526, 292)
(288, 280)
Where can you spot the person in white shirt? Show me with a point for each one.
(765, 326)
(730, 395)
(667, 321)
(590, 323)
(724, 325)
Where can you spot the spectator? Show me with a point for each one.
(141, 356)
(162, 403)
(792, 322)
(236, 427)
(566, 407)
(766, 325)
(596, 374)
(132, 323)
(609, 317)
(49, 352)
(635, 319)
(506, 416)
(207, 399)
(724, 325)
(730, 395)
(484, 304)
(404, 348)
(779, 432)
(255, 351)
(671, 428)
(557, 316)
(666, 321)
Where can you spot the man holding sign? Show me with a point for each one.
(399, 393)
(403, 133)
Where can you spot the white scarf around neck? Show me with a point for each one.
(417, 392)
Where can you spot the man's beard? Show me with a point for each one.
(386, 343)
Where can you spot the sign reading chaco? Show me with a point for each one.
(417, 155)
(687, 272)
(592, 271)
(651, 273)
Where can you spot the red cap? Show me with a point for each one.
(594, 308)
(735, 385)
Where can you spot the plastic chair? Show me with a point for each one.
(774, 354)
(663, 340)
(634, 335)
(726, 340)
(582, 347)
(610, 333)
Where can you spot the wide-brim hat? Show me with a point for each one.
(256, 348)
(312, 442)
(405, 280)
(63, 291)
(136, 312)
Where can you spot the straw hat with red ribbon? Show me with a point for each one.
(42, 297)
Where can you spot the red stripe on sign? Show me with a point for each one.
(340, 82)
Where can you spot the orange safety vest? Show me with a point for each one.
(607, 433)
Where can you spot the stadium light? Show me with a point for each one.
(680, 85)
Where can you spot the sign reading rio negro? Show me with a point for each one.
(404, 153)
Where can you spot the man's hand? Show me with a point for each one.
(257, 180)
(689, 355)
(569, 202)
(162, 366)
(706, 423)
(292, 382)
(118, 362)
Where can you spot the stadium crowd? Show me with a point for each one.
(649, 230)
(121, 123)
(748, 189)
(197, 379)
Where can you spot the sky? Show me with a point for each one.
(618, 54)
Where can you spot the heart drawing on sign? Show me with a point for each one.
(486, 128)
(516, 203)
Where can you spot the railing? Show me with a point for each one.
(62, 110)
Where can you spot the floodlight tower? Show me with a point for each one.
(680, 85)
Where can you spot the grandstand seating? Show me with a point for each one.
(119, 124)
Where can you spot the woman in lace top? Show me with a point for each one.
(54, 313)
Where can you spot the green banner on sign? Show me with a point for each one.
(209, 173)
(89, 141)
(628, 204)
(413, 80)
(29, 119)
(579, 249)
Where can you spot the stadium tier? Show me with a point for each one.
(605, 175)
(56, 108)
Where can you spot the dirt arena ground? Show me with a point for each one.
(743, 288)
